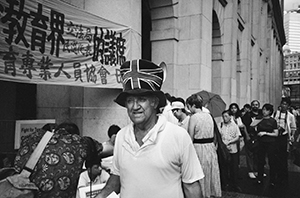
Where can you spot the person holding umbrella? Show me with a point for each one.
(201, 130)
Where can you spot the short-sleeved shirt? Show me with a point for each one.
(229, 132)
(84, 179)
(267, 125)
(158, 167)
(57, 171)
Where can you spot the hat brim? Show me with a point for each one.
(121, 98)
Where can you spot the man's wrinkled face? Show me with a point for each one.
(255, 106)
(140, 109)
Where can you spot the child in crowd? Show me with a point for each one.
(94, 174)
(230, 135)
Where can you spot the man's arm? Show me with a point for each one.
(293, 128)
(113, 184)
(191, 127)
(192, 190)
(108, 150)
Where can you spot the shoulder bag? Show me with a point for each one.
(222, 151)
(253, 143)
(19, 185)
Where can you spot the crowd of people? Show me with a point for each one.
(169, 149)
(264, 135)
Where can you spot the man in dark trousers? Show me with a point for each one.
(248, 118)
(286, 128)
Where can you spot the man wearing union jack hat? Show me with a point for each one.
(152, 157)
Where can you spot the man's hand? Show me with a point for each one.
(292, 139)
(113, 185)
(262, 133)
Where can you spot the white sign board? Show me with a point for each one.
(90, 191)
(27, 127)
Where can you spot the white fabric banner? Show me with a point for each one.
(49, 41)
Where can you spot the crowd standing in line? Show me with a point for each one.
(273, 132)
(169, 149)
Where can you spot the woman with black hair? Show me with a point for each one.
(236, 114)
(267, 132)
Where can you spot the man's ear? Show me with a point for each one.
(155, 101)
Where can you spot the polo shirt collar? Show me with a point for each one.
(149, 138)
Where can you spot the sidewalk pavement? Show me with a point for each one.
(251, 190)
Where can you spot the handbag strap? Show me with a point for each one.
(36, 154)
(285, 118)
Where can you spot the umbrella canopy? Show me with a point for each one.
(213, 102)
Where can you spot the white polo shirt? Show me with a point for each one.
(157, 168)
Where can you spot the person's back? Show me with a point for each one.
(57, 171)
(201, 130)
(205, 126)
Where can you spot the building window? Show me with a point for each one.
(287, 74)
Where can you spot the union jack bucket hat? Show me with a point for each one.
(142, 77)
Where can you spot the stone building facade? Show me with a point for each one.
(230, 47)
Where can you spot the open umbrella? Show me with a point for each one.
(213, 102)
